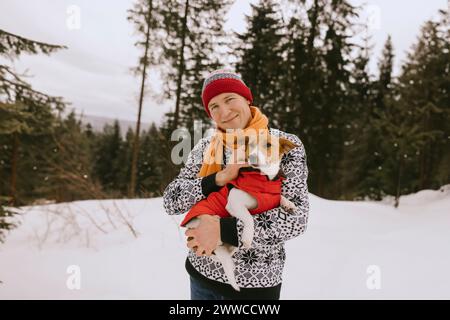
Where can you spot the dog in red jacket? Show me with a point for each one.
(256, 189)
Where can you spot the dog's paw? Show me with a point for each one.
(248, 232)
(287, 204)
(247, 239)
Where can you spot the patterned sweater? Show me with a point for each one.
(262, 265)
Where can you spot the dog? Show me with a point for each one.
(256, 189)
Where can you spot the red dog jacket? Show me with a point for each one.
(266, 192)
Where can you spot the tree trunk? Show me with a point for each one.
(134, 160)
(320, 184)
(181, 67)
(399, 176)
(14, 160)
(312, 30)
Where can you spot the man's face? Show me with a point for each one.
(230, 111)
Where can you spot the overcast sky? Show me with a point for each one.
(93, 73)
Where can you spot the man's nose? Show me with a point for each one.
(224, 113)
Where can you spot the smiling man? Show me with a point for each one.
(228, 101)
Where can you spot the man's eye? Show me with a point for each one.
(229, 99)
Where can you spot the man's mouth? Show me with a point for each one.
(230, 119)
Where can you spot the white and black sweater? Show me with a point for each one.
(261, 266)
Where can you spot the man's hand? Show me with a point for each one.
(206, 237)
(229, 173)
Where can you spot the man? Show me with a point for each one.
(228, 101)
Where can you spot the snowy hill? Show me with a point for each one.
(408, 247)
(98, 123)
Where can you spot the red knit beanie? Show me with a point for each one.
(220, 81)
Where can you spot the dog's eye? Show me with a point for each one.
(269, 144)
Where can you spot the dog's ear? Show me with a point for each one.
(286, 145)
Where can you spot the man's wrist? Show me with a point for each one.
(228, 231)
(219, 179)
(209, 184)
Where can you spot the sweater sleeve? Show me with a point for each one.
(228, 230)
(277, 225)
(187, 189)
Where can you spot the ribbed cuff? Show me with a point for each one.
(228, 231)
(209, 184)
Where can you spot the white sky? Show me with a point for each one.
(93, 74)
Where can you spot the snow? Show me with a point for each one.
(131, 249)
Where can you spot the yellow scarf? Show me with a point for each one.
(213, 156)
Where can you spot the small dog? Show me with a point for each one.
(257, 189)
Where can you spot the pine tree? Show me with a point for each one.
(296, 79)
(304, 69)
(107, 166)
(150, 169)
(385, 67)
(327, 112)
(166, 165)
(363, 143)
(193, 47)
(30, 111)
(195, 35)
(68, 165)
(24, 140)
(124, 158)
(374, 184)
(6, 215)
(401, 111)
(25, 129)
(144, 15)
(360, 142)
(424, 84)
(261, 61)
(12, 87)
(408, 118)
(335, 116)
(319, 54)
(402, 137)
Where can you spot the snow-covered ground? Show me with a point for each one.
(131, 249)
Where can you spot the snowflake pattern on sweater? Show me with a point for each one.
(261, 265)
